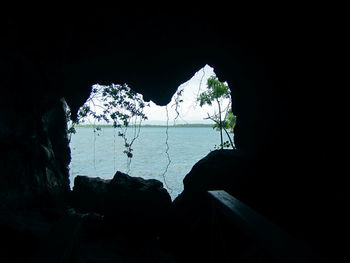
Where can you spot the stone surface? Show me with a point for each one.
(219, 170)
(284, 74)
(90, 194)
(125, 198)
(34, 164)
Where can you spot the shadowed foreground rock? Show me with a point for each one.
(213, 172)
(286, 78)
(124, 198)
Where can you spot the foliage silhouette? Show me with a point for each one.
(215, 93)
(116, 104)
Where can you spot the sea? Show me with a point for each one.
(165, 154)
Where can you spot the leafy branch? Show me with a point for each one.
(117, 104)
(215, 93)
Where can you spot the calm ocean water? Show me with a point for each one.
(100, 154)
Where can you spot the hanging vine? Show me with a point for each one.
(124, 109)
(167, 149)
(117, 104)
(178, 100)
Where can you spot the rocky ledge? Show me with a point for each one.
(124, 199)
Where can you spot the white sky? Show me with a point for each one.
(189, 109)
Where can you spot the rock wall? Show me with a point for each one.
(282, 70)
(34, 158)
(124, 200)
(279, 82)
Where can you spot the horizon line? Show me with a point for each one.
(147, 125)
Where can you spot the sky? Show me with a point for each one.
(189, 110)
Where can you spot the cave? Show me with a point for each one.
(283, 71)
(177, 135)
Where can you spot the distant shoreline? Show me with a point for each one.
(192, 125)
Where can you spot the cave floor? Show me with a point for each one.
(32, 237)
(92, 239)
(112, 251)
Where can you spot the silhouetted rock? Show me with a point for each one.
(137, 195)
(219, 170)
(191, 212)
(34, 158)
(89, 193)
(124, 198)
(286, 88)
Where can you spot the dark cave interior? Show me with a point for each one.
(288, 166)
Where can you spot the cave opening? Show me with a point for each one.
(154, 142)
(285, 71)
